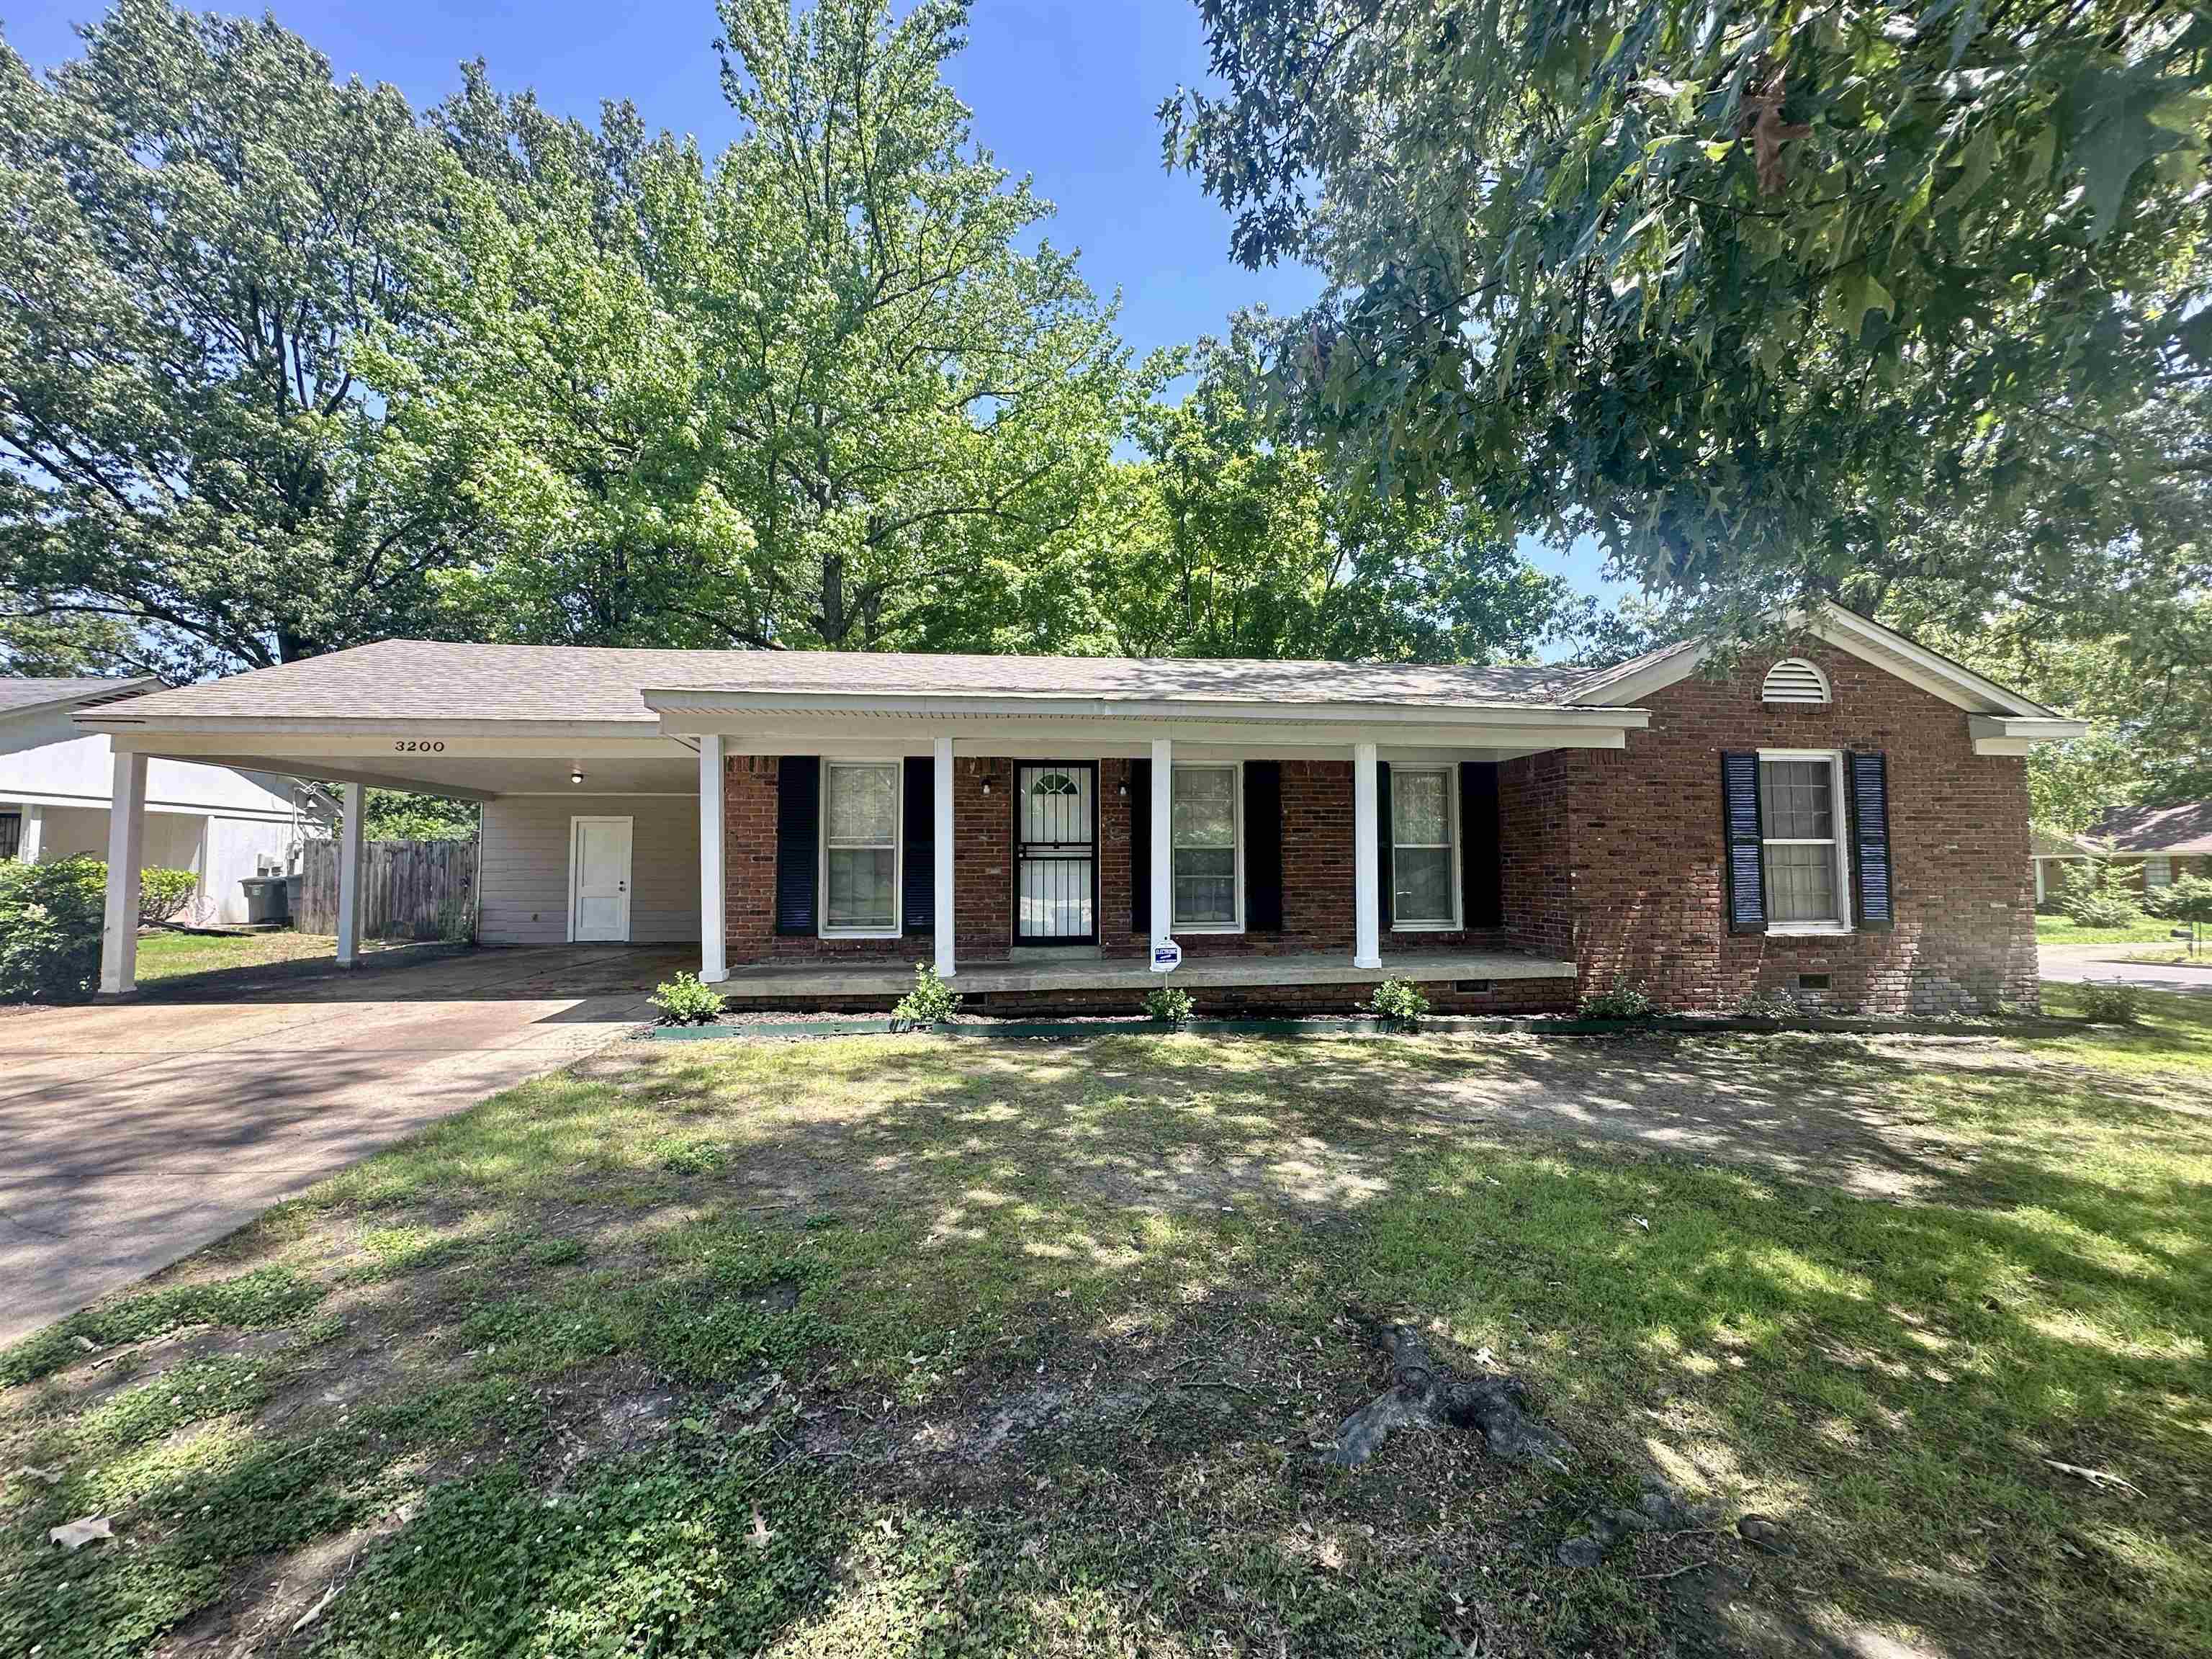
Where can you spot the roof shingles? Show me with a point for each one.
(430, 680)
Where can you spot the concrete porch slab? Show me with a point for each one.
(768, 982)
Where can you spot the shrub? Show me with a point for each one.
(1170, 1005)
(686, 1000)
(1399, 1000)
(931, 1000)
(456, 921)
(2110, 1002)
(2187, 898)
(161, 893)
(2087, 893)
(50, 921)
(1621, 1000)
(1768, 1003)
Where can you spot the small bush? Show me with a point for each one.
(2110, 1002)
(1399, 1000)
(1170, 1005)
(161, 893)
(1768, 1003)
(1621, 1000)
(50, 921)
(457, 919)
(2088, 893)
(2186, 899)
(931, 1000)
(685, 1000)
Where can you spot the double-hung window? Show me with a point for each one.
(1205, 818)
(1423, 861)
(1800, 808)
(859, 847)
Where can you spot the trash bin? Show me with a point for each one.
(295, 885)
(266, 900)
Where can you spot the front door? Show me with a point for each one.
(1056, 853)
(599, 865)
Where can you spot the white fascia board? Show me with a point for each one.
(284, 751)
(370, 729)
(2014, 734)
(692, 708)
(1078, 740)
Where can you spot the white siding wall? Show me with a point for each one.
(524, 895)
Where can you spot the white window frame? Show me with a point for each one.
(2163, 863)
(1235, 770)
(897, 929)
(1450, 774)
(1838, 820)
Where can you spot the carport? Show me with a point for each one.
(591, 812)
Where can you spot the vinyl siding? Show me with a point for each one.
(523, 899)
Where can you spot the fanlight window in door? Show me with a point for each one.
(1054, 783)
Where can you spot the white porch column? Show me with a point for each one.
(941, 774)
(1366, 949)
(713, 913)
(1163, 872)
(31, 838)
(351, 811)
(126, 843)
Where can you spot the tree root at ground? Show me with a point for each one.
(1426, 1393)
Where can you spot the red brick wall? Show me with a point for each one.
(1643, 829)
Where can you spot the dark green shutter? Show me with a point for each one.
(1481, 868)
(1870, 864)
(918, 884)
(1140, 846)
(1263, 847)
(797, 841)
(1385, 900)
(1746, 898)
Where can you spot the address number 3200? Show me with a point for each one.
(417, 746)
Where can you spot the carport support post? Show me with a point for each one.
(940, 774)
(32, 837)
(714, 926)
(126, 843)
(1163, 871)
(351, 813)
(1366, 881)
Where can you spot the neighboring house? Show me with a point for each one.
(2147, 846)
(1849, 823)
(56, 780)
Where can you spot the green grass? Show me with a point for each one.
(899, 1346)
(172, 956)
(2064, 930)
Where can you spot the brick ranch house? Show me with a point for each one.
(1850, 821)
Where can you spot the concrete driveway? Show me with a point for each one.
(132, 1134)
(2070, 964)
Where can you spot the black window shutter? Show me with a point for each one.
(1481, 870)
(1263, 847)
(918, 881)
(1877, 901)
(1385, 900)
(1740, 817)
(1140, 846)
(798, 841)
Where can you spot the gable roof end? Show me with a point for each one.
(2001, 721)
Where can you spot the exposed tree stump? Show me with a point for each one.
(1426, 1393)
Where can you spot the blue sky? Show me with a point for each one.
(1061, 89)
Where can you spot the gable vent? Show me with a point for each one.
(1794, 680)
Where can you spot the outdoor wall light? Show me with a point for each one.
(576, 776)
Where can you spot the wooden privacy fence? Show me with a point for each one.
(406, 887)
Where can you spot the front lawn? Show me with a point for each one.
(2064, 930)
(883, 1347)
(172, 956)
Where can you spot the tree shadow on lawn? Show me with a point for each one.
(1052, 1331)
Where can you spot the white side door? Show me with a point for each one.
(599, 876)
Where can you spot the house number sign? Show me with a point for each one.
(418, 746)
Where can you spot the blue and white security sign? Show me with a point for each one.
(1167, 956)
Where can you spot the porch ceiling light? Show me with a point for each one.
(576, 774)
